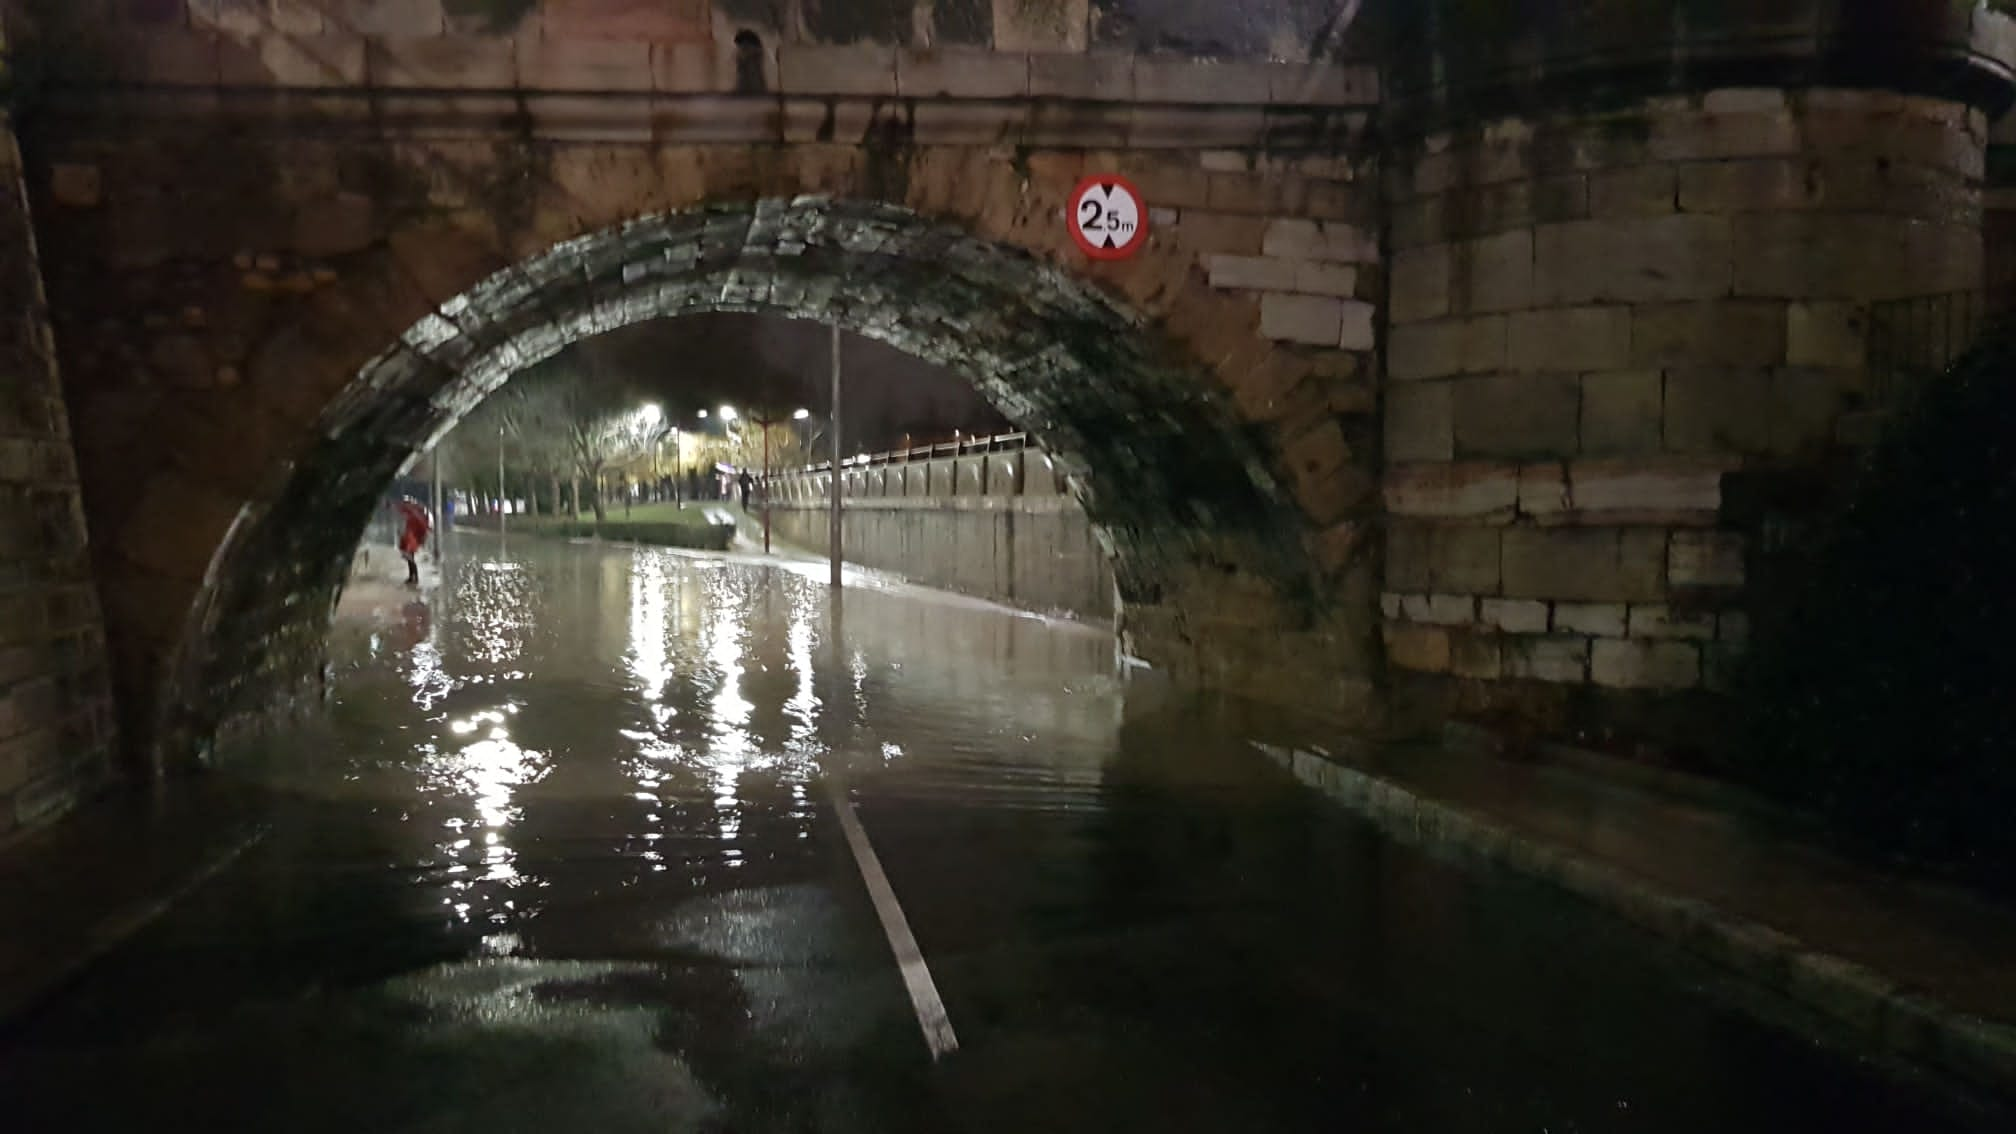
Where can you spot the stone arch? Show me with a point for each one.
(1218, 579)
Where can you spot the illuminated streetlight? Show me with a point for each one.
(727, 413)
(650, 414)
(801, 415)
(703, 415)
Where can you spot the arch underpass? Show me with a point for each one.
(1209, 548)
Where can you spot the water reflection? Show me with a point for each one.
(597, 763)
(575, 719)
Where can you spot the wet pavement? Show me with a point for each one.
(565, 854)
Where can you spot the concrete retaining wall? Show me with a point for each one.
(996, 525)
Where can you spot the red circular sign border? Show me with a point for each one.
(1124, 251)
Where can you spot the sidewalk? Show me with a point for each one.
(71, 893)
(1911, 969)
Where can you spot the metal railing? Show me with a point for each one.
(962, 447)
(1003, 465)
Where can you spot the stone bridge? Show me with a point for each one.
(1464, 340)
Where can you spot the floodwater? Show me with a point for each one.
(567, 854)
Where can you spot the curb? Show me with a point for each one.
(1875, 1010)
(24, 988)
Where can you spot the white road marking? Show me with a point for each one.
(916, 977)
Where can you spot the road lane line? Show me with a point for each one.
(924, 997)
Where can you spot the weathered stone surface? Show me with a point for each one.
(1636, 664)
(1602, 565)
(1481, 344)
(1255, 273)
(1515, 415)
(1313, 319)
(1218, 84)
(851, 69)
(1320, 240)
(1826, 334)
(1060, 27)
(392, 18)
(1424, 350)
(1319, 278)
(1856, 256)
(584, 64)
(1713, 333)
(1657, 620)
(1634, 191)
(1475, 655)
(1437, 557)
(1633, 261)
(1543, 489)
(334, 59)
(630, 20)
(76, 185)
(1622, 412)
(1514, 616)
(1421, 648)
(1104, 76)
(443, 62)
(1563, 660)
(1697, 137)
(929, 72)
(1705, 559)
(1439, 610)
(1739, 411)
(1360, 331)
(1418, 283)
(1222, 232)
(1471, 491)
(1569, 339)
(1420, 422)
(1493, 274)
(1595, 618)
(1649, 486)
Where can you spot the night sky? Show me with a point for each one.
(702, 361)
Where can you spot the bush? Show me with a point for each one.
(1882, 696)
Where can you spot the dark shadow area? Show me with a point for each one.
(1878, 695)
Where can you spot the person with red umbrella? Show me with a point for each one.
(414, 526)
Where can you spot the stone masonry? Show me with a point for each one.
(388, 220)
(1601, 322)
(55, 698)
(1501, 335)
(1627, 344)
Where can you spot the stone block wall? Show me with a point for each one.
(1603, 326)
(55, 697)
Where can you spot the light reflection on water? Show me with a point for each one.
(663, 717)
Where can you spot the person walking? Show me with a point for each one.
(745, 482)
(414, 526)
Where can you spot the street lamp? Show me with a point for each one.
(801, 414)
(728, 413)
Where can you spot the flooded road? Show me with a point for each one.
(569, 853)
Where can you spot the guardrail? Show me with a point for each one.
(1005, 464)
(964, 446)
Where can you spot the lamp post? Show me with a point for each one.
(765, 423)
(833, 504)
(500, 480)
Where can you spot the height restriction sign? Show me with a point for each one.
(1108, 220)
